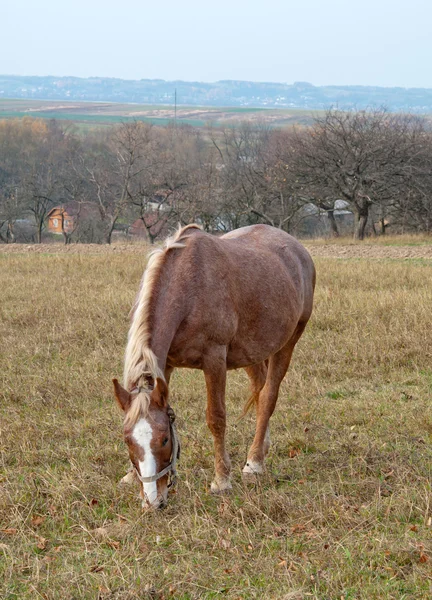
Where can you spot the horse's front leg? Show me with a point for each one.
(214, 368)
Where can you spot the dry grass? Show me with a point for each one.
(344, 510)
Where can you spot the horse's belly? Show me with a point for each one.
(252, 350)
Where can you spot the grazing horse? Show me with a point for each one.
(241, 300)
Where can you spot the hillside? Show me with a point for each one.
(99, 114)
(245, 94)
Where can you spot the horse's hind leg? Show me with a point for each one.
(277, 368)
(215, 376)
(257, 375)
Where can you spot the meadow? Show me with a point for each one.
(87, 115)
(344, 511)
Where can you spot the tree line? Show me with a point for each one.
(376, 165)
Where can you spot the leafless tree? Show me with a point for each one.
(360, 157)
(255, 177)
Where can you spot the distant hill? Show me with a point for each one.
(221, 93)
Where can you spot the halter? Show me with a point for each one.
(171, 468)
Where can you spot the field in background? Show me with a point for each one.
(88, 114)
(344, 511)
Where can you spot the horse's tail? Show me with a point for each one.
(252, 401)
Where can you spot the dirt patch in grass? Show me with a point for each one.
(324, 249)
(124, 248)
(370, 251)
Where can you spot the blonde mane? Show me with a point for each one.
(140, 360)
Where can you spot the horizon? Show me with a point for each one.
(293, 83)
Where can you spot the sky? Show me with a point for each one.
(324, 42)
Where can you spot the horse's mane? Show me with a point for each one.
(140, 361)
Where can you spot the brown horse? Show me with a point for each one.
(212, 303)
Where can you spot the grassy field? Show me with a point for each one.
(344, 511)
(99, 114)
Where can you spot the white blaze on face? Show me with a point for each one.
(142, 434)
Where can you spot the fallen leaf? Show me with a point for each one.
(42, 544)
(96, 569)
(414, 528)
(283, 563)
(104, 590)
(93, 502)
(49, 559)
(114, 544)
(293, 452)
(10, 531)
(423, 557)
(37, 520)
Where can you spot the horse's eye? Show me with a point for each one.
(165, 442)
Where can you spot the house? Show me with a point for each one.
(61, 219)
(315, 221)
(137, 229)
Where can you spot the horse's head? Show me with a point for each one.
(151, 439)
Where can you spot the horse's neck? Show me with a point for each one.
(165, 318)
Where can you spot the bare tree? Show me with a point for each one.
(360, 157)
(411, 208)
(254, 176)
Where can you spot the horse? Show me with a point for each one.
(241, 300)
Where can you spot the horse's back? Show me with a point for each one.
(276, 253)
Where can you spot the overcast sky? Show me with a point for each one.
(365, 42)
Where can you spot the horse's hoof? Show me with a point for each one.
(252, 468)
(221, 487)
(128, 479)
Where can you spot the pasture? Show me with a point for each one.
(345, 508)
(87, 115)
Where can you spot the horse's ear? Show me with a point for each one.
(122, 396)
(160, 393)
